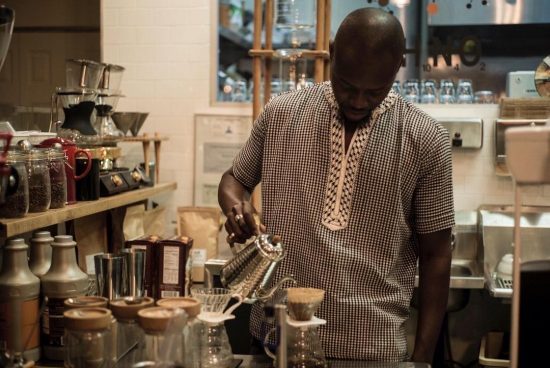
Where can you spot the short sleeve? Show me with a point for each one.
(433, 201)
(247, 165)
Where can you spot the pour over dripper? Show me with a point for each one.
(302, 303)
(213, 303)
(78, 106)
(105, 106)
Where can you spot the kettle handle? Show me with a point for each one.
(88, 165)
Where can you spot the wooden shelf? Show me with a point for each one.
(33, 221)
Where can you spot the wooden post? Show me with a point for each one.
(319, 40)
(256, 60)
(268, 46)
(328, 12)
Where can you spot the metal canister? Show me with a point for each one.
(19, 303)
(41, 253)
(63, 280)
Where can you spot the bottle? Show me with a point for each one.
(41, 253)
(63, 280)
(19, 303)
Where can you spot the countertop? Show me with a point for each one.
(260, 361)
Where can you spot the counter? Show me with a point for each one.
(261, 361)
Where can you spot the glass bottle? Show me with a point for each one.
(127, 330)
(39, 180)
(63, 280)
(192, 331)
(17, 203)
(41, 253)
(88, 338)
(19, 303)
(58, 178)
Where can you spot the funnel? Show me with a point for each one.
(302, 303)
(125, 120)
(139, 123)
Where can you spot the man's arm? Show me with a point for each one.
(433, 291)
(234, 200)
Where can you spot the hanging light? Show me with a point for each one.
(401, 3)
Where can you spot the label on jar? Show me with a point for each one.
(19, 320)
(198, 259)
(53, 326)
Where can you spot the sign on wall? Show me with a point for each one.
(218, 138)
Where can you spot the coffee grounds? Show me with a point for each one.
(39, 198)
(59, 195)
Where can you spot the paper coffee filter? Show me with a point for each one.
(302, 303)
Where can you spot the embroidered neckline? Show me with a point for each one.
(344, 166)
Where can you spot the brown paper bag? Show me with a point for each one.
(154, 221)
(202, 224)
(133, 222)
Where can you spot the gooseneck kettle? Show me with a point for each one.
(252, 269)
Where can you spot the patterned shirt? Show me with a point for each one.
(349, 219)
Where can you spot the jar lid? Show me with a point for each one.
(38, 154)
(55, 153)
(16, 244)
(156, 319)
(42, 237)
(86, 302)
(92, 319)
(128, 308)
(191, 306)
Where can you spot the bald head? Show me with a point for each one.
(365, 57)
(369, 32)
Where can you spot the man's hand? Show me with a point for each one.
(241, 223)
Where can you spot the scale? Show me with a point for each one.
(528, 158)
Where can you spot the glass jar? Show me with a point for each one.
(192, 331)
(88, 338)
(38, 171)
(162, 335)
(17, 202)
(58, 178)
(127, 330)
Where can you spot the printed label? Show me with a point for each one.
(169, 294)
(53, 326)
(170, 270)
(198, 257)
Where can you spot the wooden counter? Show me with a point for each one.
(32, 221)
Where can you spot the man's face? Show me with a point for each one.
(359, 87)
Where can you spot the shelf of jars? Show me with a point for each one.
(32, 221)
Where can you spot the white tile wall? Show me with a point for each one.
(165, 47)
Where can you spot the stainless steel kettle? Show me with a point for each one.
(253, 268)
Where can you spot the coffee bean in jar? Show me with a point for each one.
(17, 199)
(39, 180)
(58, 178)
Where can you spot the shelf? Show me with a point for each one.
(33, 221)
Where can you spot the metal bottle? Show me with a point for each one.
(63, 280)
(41, 253)
(19, 303)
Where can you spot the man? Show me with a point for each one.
(358, 183)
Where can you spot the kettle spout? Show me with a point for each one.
(263, 295)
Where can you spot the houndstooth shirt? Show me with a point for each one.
(349, 220)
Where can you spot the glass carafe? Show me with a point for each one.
(304, 347)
